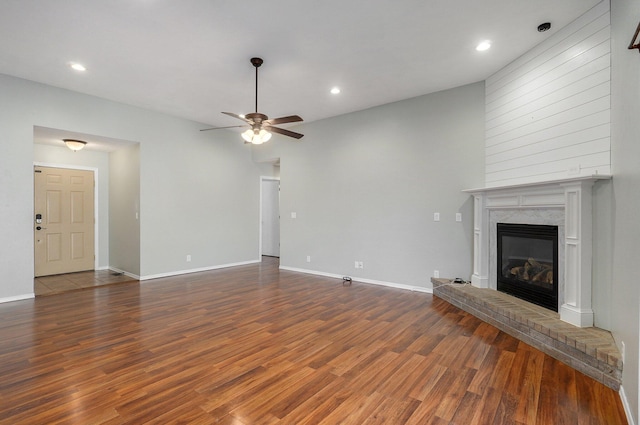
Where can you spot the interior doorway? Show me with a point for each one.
(64, 220)
(270, 216)
(115, 164)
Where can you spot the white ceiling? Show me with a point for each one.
(190, 58)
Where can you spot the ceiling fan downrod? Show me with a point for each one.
(256, 62)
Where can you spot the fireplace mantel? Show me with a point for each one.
(574, 197)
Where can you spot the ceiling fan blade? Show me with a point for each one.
(283, 120)
(219, 128)
(231, 114)
(283, 132)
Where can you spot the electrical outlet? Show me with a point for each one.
(359, 265)
(436, 273)
(436, 216)
(189, 258)
(308, 258)
(458, 217)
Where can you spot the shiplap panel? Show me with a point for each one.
(600, 132)
(583, 110)
(548, 63)
(580, 75)
(547, 110)
(566, 128)
(548, 113)
(574, 84)
(560, 153)
(598, 17)
(598, 160)
(548, 176)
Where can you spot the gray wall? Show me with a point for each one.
(198, 197)
(124, 210)
(625, 148)
(365, 185)
(199, 192)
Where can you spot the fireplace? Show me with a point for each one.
(566, 203)
(527, 262)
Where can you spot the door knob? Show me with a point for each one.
(40, 228)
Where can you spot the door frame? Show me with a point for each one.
(262, 179)
(96, 187)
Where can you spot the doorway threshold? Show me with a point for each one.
(61, 283)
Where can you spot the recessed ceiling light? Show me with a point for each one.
(485, 45)
(335, 90)
(77, 66)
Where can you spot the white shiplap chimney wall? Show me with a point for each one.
(548, 112)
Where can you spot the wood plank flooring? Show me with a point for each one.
(57, 284)
(255, 345)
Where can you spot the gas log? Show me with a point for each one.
(533, 271)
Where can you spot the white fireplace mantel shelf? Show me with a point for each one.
(545, 184)
(574, 197)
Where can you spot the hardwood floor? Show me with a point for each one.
(255, 345)
(57, 284)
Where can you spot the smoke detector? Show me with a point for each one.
(544, 27)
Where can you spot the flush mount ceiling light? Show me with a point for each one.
(77, 66)
(335, 90)
(74, 145)
(484, 45)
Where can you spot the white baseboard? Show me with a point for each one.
(17, 298)
(362, 280)
(201, 269)
(124, 272)
(627, 408)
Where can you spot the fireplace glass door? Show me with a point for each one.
(528, 262)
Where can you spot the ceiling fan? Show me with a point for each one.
(261, 125)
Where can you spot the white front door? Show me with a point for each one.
(270, 219)
(64, 220)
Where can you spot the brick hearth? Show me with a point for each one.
(591, 351)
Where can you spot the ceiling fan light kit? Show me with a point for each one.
(261, 125)
(257, 137)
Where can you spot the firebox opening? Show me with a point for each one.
(528, 262)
